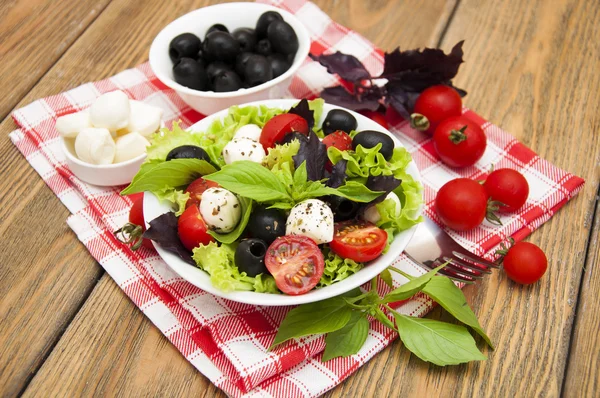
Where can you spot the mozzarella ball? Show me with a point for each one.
(243, 149)
(143, 118)
(371, 213)
(111, 111)
(311, 218)
(130, 146)
(70, 125)
(95, 146)
(220, 210)
(250, 131)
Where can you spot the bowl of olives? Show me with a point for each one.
(229, 54)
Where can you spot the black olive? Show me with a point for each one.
(291, 136)
(188, 152)
(216, 28)
(246, 37)
(240, 63)
(282, 37)
(278, 64)
(216, 68)
(189, 73)
(264, 21)
(221, 46)
(227, 81)
(185, 45)
(370, 138)
(343, 209)
(266, 224)
(258, 70)
(338, 119)
(264, 47)
(250, 257)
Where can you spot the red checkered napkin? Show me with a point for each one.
(225, 340)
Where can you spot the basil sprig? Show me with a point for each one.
(344, 319)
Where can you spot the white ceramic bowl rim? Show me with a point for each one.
(153, 208)
(301, 32)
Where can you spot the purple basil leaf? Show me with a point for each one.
(348, 67)
(382, 183)
(163, 230)
(338, 174)
(401, 100)
(338, 95)
(430, 63)
(314, 153)
(301, 109)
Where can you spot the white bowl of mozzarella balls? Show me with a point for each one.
(105, 144)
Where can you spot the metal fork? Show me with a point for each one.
(431, 247)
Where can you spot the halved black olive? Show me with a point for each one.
(188, 152)
(250, 257)
(370, 138)
(343, 209)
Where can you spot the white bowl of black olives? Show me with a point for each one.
(229, 54)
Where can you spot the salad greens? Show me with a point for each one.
(337, 268)
(218, 262)
(344, 319)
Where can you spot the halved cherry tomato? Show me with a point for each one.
(339, 140)
(296, 263)
(196, 188)
(358, 240)
(435, 104)
(280, 126)
(192, 229)
(377, 117)
(508, 187)
(136, 216)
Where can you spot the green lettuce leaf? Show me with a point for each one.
(175, 197)
(410, 194)
(281, 154)
(337, 268)
(218, 262)
(162, 142)
(368, 161)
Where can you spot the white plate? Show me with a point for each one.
(153, 208)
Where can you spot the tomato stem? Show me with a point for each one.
(131, 235)
(492, 208)
(458, 136)
(419, 122)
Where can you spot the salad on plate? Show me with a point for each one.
(276, 200)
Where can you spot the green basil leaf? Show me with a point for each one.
(313, 318)
(411, 287)
(386, 276)
(174, 173)
(250, 180)
(437, 342)
(444, 292)
(281, 206)
(356, 192)
(300, 176)
(381, 317)
(232, 236)
(347, 340)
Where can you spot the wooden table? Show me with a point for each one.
(532, 67)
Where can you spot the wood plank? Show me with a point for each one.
(582, 377)
(114, 356)
(531, 67)
(33, 36)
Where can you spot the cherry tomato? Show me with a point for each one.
(339, 140)
(136, 216)
(296, 263)
(461, 204)
(436, 104)
(377, 117)
(508, 187)
(358, 240)
(192, 229)
(196, 188)
(459, 142)
(280, 126)
(525, 263)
